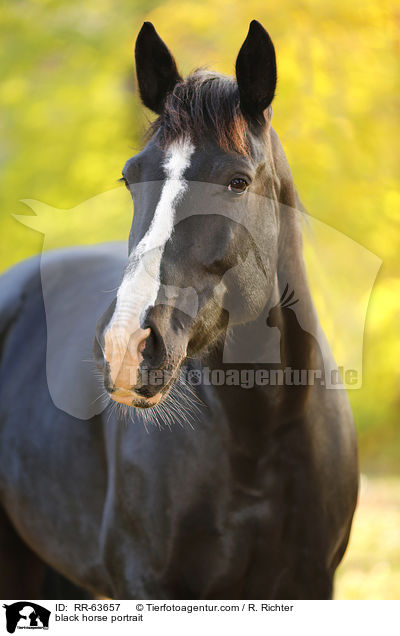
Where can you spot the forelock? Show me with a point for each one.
(204, 104)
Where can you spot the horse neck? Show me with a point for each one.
(255, 414)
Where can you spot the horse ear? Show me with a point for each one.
(155, 68)
(256, 72)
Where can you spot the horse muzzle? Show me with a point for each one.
(140, 364)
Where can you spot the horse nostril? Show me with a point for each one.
(142, 345)
(153, 351)
(123, 355)
(137, 342)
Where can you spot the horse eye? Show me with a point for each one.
(238, 185)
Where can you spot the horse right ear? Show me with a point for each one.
(256, 72)
(155, 68)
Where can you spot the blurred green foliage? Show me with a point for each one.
(70, 117)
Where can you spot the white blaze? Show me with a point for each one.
(141, 282)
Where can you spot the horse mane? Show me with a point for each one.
(205, 103)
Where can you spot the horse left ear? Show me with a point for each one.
(155, 68)
(256, 72)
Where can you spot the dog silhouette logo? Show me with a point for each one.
(26, 615)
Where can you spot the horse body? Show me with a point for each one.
(256, 500)
(235, 508)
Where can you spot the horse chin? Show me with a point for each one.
(132, 399)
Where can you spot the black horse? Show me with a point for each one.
(255, 498)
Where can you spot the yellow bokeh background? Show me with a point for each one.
(70, 117)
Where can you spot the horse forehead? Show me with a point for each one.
(211, 164)
(176, 161)
(205, 162)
